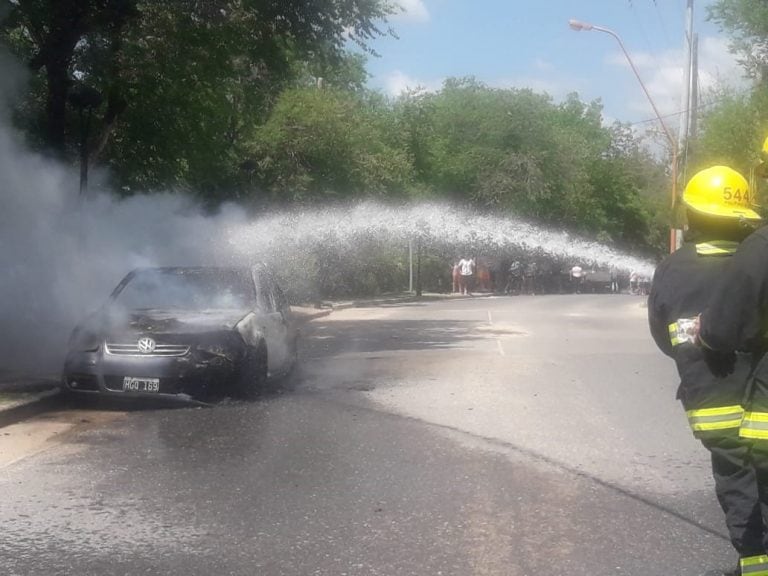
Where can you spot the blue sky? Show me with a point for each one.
(527, 43)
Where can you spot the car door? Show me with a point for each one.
(282, 306)
(274, 323)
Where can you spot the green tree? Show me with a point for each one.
(182, 78)
(730, 132)
(518, 151)
(747, 23)
(48, 33)
(328, 144)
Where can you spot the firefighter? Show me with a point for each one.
(735, 322)
(712, 385)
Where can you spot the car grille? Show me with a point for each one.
(161, 350)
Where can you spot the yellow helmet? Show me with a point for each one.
(720, 191)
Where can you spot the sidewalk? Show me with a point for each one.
(396, 298)
(23, 395)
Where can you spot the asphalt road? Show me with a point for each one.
(511, 436)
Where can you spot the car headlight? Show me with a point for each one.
(83, 341)
(222, 350)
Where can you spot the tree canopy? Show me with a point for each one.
(734, 123)
(265, 102)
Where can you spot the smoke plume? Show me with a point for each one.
(61, 256)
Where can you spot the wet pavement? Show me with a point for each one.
(509, 436)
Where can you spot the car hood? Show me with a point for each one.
(115, 321)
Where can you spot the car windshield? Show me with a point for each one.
(186, 290)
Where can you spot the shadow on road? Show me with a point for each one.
(327, 339)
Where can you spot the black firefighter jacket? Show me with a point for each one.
(736, 320)
(712, 384)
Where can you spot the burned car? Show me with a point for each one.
(184, 332)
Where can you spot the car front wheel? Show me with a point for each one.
(252, 374)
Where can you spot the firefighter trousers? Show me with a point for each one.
(736, 486)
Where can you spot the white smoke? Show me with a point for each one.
(59, 257)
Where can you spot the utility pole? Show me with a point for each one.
(686, 107)
(693, 121)
(685, 99)
(418, 267)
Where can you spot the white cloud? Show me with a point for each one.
(397, 82)
(412, 11)
(662, 74)
(721, 66)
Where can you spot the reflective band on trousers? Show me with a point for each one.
(716, 418)
(754, 425)
(754, 565)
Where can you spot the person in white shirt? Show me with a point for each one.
(634, 279)
(466, 273)
(577, 276)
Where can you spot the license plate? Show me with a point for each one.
(141, 384)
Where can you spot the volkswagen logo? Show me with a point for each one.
(146, 345)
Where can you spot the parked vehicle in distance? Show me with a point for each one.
(597, 282)
(185, 332)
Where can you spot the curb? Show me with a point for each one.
(19, 410)
(409, 299)
(304, 315)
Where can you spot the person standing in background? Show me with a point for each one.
(466, 274)
(577, 277)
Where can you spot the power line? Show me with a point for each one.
(661, 21)
(656, 119)
(644, 33)
(674, 114)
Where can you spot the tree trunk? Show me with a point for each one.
(66, 26)
(56, 105)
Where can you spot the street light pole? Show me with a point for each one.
(410, 265)
(586, 26)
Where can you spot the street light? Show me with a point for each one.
(578, 25)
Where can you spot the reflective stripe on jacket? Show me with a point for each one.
(754, 565)
(754, 425)
(719, 418)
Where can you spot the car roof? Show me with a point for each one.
(252, 272)
(258, 269)
(192, 269)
